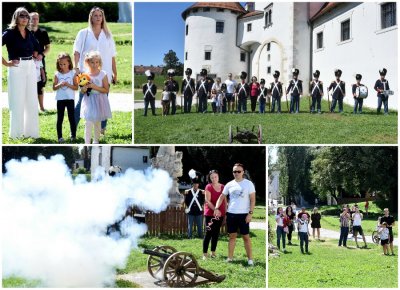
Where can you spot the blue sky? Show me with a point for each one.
(158, 27)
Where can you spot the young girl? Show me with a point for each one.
(65, 84)
(95, 107)
(165, 99)
(384, 235)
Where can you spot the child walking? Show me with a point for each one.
(65, 84)
(95, 106)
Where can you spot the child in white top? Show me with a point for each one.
(384, 235)
(165, 99)
(303, 233)
(65, 84)
(95, 107)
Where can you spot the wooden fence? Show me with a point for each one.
(172, 221)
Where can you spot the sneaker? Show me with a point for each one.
(290, 244)
(213, 256)
(284, 250)
(229, 260)
(204, 258)
(73, 139)
(61, 140)
(250, 262)
(393, 254)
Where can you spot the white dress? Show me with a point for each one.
(96, 107)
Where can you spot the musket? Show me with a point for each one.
(309, 102)
(329, 103)
(269, 104)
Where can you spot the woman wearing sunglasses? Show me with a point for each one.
(242, 199)
(22, 47)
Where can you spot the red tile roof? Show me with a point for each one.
(252, 13)
(233, 6)
(325, 9)
(140, 69)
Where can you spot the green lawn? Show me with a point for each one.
(330, 266)
(62, 37)
(284, 128)
(238, 274)
(119, 129)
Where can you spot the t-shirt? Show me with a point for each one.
(214, 197)
(230, 86)
(389, 220)
(239, 195)
(303, 226)
(65, 93)
(279, 220)
(356, 219)
(165, 96)
(384, 233)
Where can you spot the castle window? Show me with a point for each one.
(187, 29)
(243, 56)
(345, 30)
(195, 10)
(207, 55)
(219, 27)
(320, 40)
(186, 55)
(206, 9)
(269, 70)
(248, 26)
(268, 16)
(388, 15)
(268, 46)
(269, 57)
(220, 9)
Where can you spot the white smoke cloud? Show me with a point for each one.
(54, 227)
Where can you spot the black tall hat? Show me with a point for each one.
(171, 72)
(188, 71)
(358, 77)
(262, 81)
(195, 176)
(383, 72)
(316, 74)
(295, 71)
(243, 75)
(203, 72)
(150, 75)
(276, 74)
(338, 73)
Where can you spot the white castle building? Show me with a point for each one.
(225, 37)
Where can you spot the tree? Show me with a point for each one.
(172, 61)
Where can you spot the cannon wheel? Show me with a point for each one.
(155, 264)
(230, 134)
(181, 270)
(259, 134)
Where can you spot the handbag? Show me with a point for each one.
(286, 229)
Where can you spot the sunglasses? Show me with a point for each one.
(237, 171)
(24, 16)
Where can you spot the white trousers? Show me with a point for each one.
(88, 131)
(22, 100)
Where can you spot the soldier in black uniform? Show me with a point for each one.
(276, 92)
(358, 102)
(187, 89)
(316, 92)
(382, 85)
(338, 88)
(295, 89)
(263, 96)
(203, 89)
(242, 92)
(149, 93)
(173, 88)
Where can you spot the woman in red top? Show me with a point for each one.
(254, 92)
(213, 225)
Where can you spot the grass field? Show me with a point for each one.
(62, 36)
(238, 274)
(330, 266)
(119, 130)
(303, 128)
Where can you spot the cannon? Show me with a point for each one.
(246, 136)
(177, 269)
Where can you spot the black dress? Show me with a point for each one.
(315, 220)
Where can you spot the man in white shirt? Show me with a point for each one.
(242, 200)
(230, 90)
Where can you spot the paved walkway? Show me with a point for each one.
(258, 226)
(118, 102)
(335, 235)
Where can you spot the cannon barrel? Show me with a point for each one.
(156, 254)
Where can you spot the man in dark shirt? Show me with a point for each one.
(295, 89)
(382, 89)
(338, 88)
(389, 219)
(188, 89)
(173, 88)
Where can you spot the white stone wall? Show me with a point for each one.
(368, 50)
(225, 55)
(273, 185)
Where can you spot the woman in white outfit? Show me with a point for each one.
(97, 37)
(22, 47)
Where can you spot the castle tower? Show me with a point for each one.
(210, 39)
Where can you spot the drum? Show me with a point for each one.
(362, 92)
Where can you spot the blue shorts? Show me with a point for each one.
(229, 97)
(237, 221)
